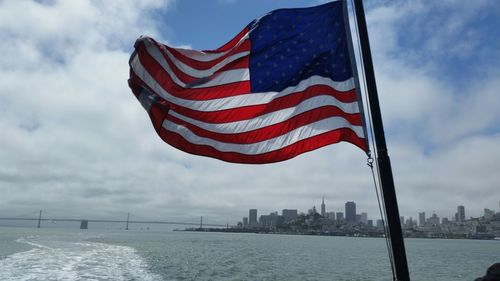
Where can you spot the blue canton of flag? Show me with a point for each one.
(291, 45)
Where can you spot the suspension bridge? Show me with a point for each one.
(84, 222)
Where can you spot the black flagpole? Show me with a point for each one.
(384, 163)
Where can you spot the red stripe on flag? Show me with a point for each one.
(249, 112)
(285, 153)
(274, 130)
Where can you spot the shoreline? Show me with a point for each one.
(338, 234)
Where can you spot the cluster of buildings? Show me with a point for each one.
(350, 222)
(313, 222)
(459, 226)
(290, 215)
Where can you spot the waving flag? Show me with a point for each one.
(283, 86)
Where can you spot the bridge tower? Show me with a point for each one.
(128, 217)
(84, 224)
(39, 219)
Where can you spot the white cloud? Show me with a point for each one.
(66, 107)
(75, 140)
(442, 123)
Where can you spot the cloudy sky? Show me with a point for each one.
(75, 142)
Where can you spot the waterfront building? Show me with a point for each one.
(289, 215)
(245, 222)
(461, 214)
(312, 211)
(480, 229)
(380, 224)
(409, 224)
(369, 223)
(421, 219)
(488, 214)
(358, 218)
(364, 218)
(433, 220)
(252, 217)
(445, 221)
(339, 217)
(271, 220)
(323, 208)
(330, 215)
(350, 211)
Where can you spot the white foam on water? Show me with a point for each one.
(26, 241)
(61, 259)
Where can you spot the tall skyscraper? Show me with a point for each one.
(323, 209)
(350, 211)
(252, 217)
(289, 215)
(461, 213)
(421, 219)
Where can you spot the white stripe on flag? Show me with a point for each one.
(272, 117)
(302, 133)
(226, 77)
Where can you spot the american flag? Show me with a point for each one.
(283, 86)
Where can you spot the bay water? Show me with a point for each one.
(67, 254)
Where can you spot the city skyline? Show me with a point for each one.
(350, 206)
(291, 221)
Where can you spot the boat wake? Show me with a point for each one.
(59, 258)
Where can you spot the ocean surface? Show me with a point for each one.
(66, 254)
